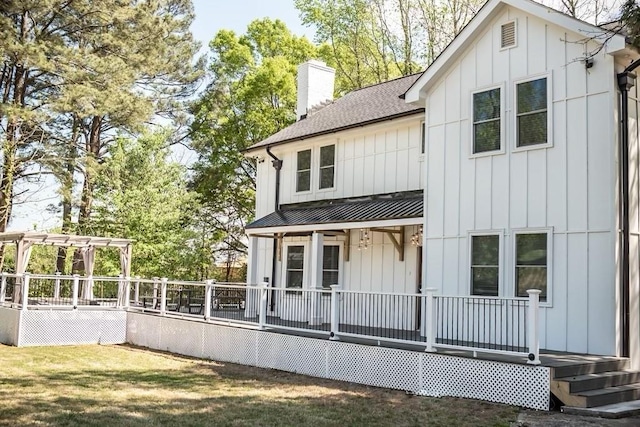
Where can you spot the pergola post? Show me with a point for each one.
(23, 253)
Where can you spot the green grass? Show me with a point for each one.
(127, 386)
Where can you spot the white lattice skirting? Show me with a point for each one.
(423, 373)
(62, 327)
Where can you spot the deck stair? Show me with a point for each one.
(591, 384)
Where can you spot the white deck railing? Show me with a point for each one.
(482, 324)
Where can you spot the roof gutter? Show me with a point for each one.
(626, 80)
(334, 130)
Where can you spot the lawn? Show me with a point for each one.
(127, 386)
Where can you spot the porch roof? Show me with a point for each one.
(403, 208)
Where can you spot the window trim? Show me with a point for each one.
(514, 116)
(544, 230)
(299, 170)
(319, 156)
(340, 245)
(503, 115)
(423, 137)
(470, 236)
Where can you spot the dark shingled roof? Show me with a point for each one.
(363, 106)
(373, 208)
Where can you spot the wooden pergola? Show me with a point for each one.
(87, 244)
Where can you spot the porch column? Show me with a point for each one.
(315, 306)
(253, 295)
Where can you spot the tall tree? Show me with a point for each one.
(251, 96)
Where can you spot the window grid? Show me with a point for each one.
(523, 112)
(327, 166)
(485, 266)
(303, 171)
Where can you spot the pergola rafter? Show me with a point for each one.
(87, 244)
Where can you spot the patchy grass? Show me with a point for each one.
(127, 386)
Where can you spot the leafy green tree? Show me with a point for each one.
(251, 96)
(142, 195)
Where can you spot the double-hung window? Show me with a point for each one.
(303, 171)
(531, 113)
(485, 264)
(327, 166)
(487, 126)
(295, 267)
(531, 263)
(330, 265)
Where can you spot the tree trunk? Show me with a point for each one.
(93, 155)
(67, 193)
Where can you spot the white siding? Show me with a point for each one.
(568, 187)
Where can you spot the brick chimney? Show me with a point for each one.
(315, 85)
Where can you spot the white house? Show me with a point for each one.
(528, 167)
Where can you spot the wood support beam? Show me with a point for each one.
(398, 243)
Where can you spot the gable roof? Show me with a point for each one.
(358, 108)
(490, 10)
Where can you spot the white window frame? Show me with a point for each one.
(319, 168)
(310, 171)
(549, 142)
(305, 265)
(340, 246)
(470, 236)
(502, 150)
(549, 233)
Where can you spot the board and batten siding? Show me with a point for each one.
(375, 159)
(568, 188)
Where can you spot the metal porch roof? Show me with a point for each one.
(374, 208)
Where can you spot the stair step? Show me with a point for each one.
(615, 410)
(610, 395)
(577, 369)
(599, 380)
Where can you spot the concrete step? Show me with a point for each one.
(607, 396)
(576, 369)
(597, 381)
(615, 410)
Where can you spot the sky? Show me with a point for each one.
(211, 16)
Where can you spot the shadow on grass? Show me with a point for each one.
(201, 393)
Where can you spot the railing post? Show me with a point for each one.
(155, 293)
(431, 320)
(25, 291)
(121, 295)
(207, 299)
(127, 291)
(3, 286)
(335, 313)
(74, 291)
(136, 291)
(56, 286)
(163, 295)
(263, 304)
(533, 322)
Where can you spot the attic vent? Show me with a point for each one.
(508, 35)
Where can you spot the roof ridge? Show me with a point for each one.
(381, 83)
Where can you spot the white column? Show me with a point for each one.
(127, 291)
(262, 320)
(74, 291)
(136, 291)
(56, 287)
(430, 316)
(252, 261)
(25, 291)
(207, 299)
(335, 312)
(317, 243)
(163, 295)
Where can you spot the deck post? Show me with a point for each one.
(127, 291)
(263, 305)
(25, 291)
(56, 286)
(533, 323)
(3, 287)
(163, 295)
(120, 297)
(430, 316)
(335, 313)
(74, 291)
(315, 295)
(154, 304)
(253, 300)
(136, 291)
(207, 299)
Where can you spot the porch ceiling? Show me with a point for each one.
(379, 210)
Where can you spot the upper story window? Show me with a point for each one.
(531, 113)
(303, 171)
(485, 264)
(487, 121)
(327, 166)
